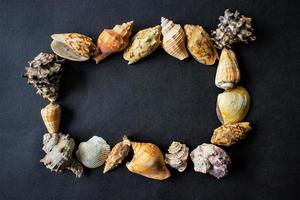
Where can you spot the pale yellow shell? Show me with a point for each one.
(228, 73)
(173, 41)
(233, 105)
(142, 44)
(51, 117)
(200, 44)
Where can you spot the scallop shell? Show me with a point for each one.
(113, 40)
(228, 73)
(73, 46)
(143, 44)
(200, 44)
(173, 40)
(93, 152)
(233, 105)
(51, 117)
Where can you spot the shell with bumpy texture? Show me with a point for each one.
(177, 156)
(51, 117)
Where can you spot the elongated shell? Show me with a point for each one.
(51, 117)
(173, 40)
(228, 73)
(229, 134)
(73, 46)
(113, 40)
(200, 44)
(93, 152)
(233, 105)
(142, 44)
(148, 161)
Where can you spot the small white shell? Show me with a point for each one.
(93, 153)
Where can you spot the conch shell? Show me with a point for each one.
(177, 156)
(148, 161)
(173, 40)
(117, 154)
(233, 105)
(200, 44)
(230, 134)
(143, 44)
(113, 40)
(228, 73)
(73, 46)
(51, 117)
(93, 152)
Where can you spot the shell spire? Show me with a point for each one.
(124, 29)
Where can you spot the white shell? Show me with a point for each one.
(93, 153)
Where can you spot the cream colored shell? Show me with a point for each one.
(51, 116)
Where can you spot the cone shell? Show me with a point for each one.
(229, 134)
(233, 105)
(51, 117)
(73, 46)
(113, 40)
(228, 73)
(173, 40)
(148, 161)
(142, 44)
(200, 44)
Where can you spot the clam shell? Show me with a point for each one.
(233, 105)
(142, 44)
(173, 41)
(228, 73)
(200, 44)
(93, 152)
(51, 117)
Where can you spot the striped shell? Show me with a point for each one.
(200, 44)
(173, 40)
(228, 73)
(51, 117)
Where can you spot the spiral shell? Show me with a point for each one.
(177, 156)
(51, 117)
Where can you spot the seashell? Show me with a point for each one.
(177, 156)
(113, 40)
(117, 154)
(51, 117)
(233, 105)
(200, 44)
(143, 44)
(73, 46)
(173, 41)
(228, 73)
(148, 161)
(229, 134)
(209, 158)
(93, 153)
(59, 149)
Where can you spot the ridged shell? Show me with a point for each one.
(233, 105)
(143, 44)
(148, 161)
(93, 152)
(200, 44)
(229, 134)
(113, 40)
(177, 156)
(228, 73)
(51, 117)
(173, 40)
(73, 46)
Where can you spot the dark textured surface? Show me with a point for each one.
(159, 99)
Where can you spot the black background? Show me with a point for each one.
(159, 99)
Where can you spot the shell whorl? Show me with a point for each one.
(124, 29)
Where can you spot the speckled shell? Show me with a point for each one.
(51, 117)
(177, 156)
(173, 40)
(228, 73)
(73, 46)
(200, 44)
(143, 44)
(233, 105)
(148, 161)
(93, 152)
(113, 40)
(230, 134)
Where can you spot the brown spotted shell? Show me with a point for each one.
(51, 117)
